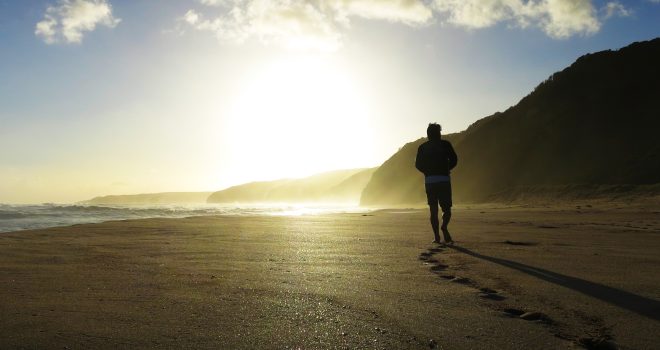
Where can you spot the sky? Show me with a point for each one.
(105, 97)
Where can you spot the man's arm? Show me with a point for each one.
(419, 160)
(452, 158)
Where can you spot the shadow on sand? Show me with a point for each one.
(629, 301)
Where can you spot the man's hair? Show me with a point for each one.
(433, 131)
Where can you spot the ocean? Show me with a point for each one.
(26, 217)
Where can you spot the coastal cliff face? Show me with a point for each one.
(587, 130)
(334, 186)
(341, 186)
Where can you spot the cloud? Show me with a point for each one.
(69, 19)
(318, 24)
(315, 25)
(410, 12)
(191, 17)
(615, 8)
(477, 13)
(565, 18)
(213, 2)
(557, 18)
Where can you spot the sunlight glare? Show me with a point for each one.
(299, 116)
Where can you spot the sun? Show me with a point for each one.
(298, 116)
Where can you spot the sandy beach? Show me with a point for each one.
(519, 278)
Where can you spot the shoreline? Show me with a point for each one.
(15, 218)
(338, 280)
(641, 203)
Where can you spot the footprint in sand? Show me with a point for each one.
(491, 294)
(535, 316)
(438, 268)
(602, 343)
(511, 312)
(520, 243)
(425, 256)
(527, 315)
(462, 280)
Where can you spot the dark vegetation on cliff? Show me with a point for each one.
(591, 128)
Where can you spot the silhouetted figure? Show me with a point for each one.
(435, 158)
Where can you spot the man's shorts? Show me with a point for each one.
(439, 193)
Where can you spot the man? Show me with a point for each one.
(435, 158)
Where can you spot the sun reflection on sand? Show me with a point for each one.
(315, 209)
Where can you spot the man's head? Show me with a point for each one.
(433, 131)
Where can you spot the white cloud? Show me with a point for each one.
(318, 24)
(315, 24)
(557, 18)
(412, 12)
(565, 18)
(615, 8)
(475, 13)
(213, 2)
(69, 19)
(191, 17)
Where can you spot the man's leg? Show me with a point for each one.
(435, 222)
(446, 216)
(432, 200)
(445, 203)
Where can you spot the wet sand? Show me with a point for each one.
(578, 276)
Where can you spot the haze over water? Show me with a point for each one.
(24, 217)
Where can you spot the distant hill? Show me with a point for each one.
(151, 198)
(593, 125)
(334, 186)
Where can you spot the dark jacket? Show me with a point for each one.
(436, 157)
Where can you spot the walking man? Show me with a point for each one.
(436, 158)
